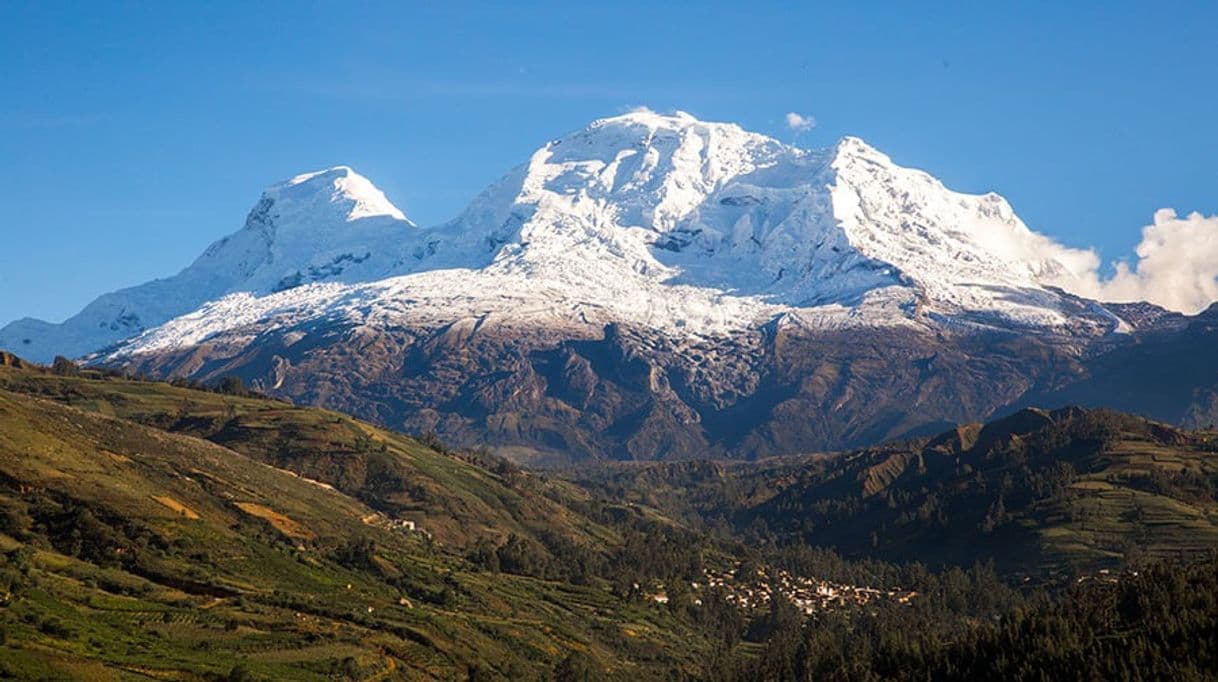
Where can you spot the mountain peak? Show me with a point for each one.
(651, 119)
(667, 199)
(851, 147)
(339, 188)
(644, 128)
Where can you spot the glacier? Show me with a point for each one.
(660, 221)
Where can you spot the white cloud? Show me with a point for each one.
(1176, 267)
(800, 122)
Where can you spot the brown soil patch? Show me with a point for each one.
(114, 456)
(177, 507)
(283, 524)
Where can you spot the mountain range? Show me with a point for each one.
(653, 287)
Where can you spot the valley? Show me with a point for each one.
(608, 342)
(213, 533)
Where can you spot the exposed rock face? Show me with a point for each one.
(10, 360)
(1168, 372)
(619, 393)
(616, 392)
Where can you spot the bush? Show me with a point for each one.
(231, 385)
(576, 667)
(14, 519)
(56, 628)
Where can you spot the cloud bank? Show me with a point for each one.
(1176, 266)
(800, 122)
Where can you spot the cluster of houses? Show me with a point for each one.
(1104, 576)
(400, 525)
(808, 594)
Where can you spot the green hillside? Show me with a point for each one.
(1039, 492)
(157, 531)
(145, 534)
(391, 473)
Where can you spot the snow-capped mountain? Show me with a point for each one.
(662, 202)
(657, 220)
(649, 286)
(330, 225)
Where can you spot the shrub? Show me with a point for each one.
(239, 673)
(56, 628)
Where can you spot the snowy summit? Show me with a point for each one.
(659, 221)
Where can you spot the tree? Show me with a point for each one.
(231, 385)
(356, 553)
(784, 637)
(521, 557)
(484, 556)
(680, 597)
(996, 516)
(14, 520)
(576, 667)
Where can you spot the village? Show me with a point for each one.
(809, 595)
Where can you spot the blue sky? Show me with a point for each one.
(134, 134)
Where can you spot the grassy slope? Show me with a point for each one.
(1111, 512)
(1070, 500)
(196, 556)
(392, 473)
